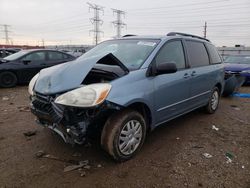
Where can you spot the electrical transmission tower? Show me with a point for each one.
(205, 30)
(6, 33)
(96, 21)
(118, 23)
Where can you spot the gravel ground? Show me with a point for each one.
(187, 152)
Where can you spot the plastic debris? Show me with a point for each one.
(5, 98)
(24, 109)
(242, 95)
(215, 128)
(177, 138)
(99, 165)
(242, 166)
(207, 155)
(75, 167)
(229, 157)
(235, 107)
(40, 154)
(30, 133)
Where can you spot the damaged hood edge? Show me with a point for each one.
(70, 75)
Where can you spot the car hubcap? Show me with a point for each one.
(130, 137)
(7, 79)
(214, 100)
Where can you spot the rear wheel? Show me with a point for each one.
(214, 100)
(123, 135)
(8, 79)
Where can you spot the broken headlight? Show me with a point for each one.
(32, 84)
(86, 96)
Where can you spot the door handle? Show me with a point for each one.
(186, 75)
(193, 73)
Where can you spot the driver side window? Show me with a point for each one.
(172, 52)
(35, 56)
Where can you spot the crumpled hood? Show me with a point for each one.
(65, 76)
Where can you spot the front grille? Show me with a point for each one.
(44, 104)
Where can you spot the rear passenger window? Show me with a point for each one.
(214, 55)
(197, 54)
(55, 56)
(172, 52)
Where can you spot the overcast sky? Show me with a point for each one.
(67, 21)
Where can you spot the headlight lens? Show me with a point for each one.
(32, 84)
(86, 96)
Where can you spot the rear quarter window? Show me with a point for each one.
(214, 55)
(197, 54)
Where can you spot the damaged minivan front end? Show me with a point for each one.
(72, 107)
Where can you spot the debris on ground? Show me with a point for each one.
(235, 107)
(24, 108)
(77, 154)
(215, 128)
(207, 155)
(5, 98)
(75, 167)
(40, 154)
(229, 157)
(177, 138)
(197, 147)
(30, 133)
(87, 167)
(242, 166)
(83, 174)
(99, 166)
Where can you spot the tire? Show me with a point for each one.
(115, 142)
(213, 102)
(8, 79)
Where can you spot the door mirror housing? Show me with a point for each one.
(165, 68)
(26, 61)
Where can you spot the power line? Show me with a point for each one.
(118, 23)
(96, 21)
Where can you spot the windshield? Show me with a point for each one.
(132, 53)
(16, 55)
(238, 59)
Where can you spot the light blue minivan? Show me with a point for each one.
(124, 88)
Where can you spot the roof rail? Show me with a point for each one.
(128, 35)
(186, 35)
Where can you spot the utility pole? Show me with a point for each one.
(6, 33)
(118, 22)
(205, 30)
(96, 21)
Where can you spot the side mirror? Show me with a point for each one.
(166, 68)
(26, 61)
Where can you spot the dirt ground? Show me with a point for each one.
(173, 155)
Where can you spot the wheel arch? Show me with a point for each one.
(144, 110)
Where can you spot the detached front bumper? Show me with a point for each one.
(71, 123)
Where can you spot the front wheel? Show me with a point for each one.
(123, 135)
(8, 79)
(213, 102)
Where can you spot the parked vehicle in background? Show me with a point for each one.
(4, 52)
(126, 87)
(23, 65)
(238, 65)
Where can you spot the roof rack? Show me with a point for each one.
(186, 35)
(128, 35)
